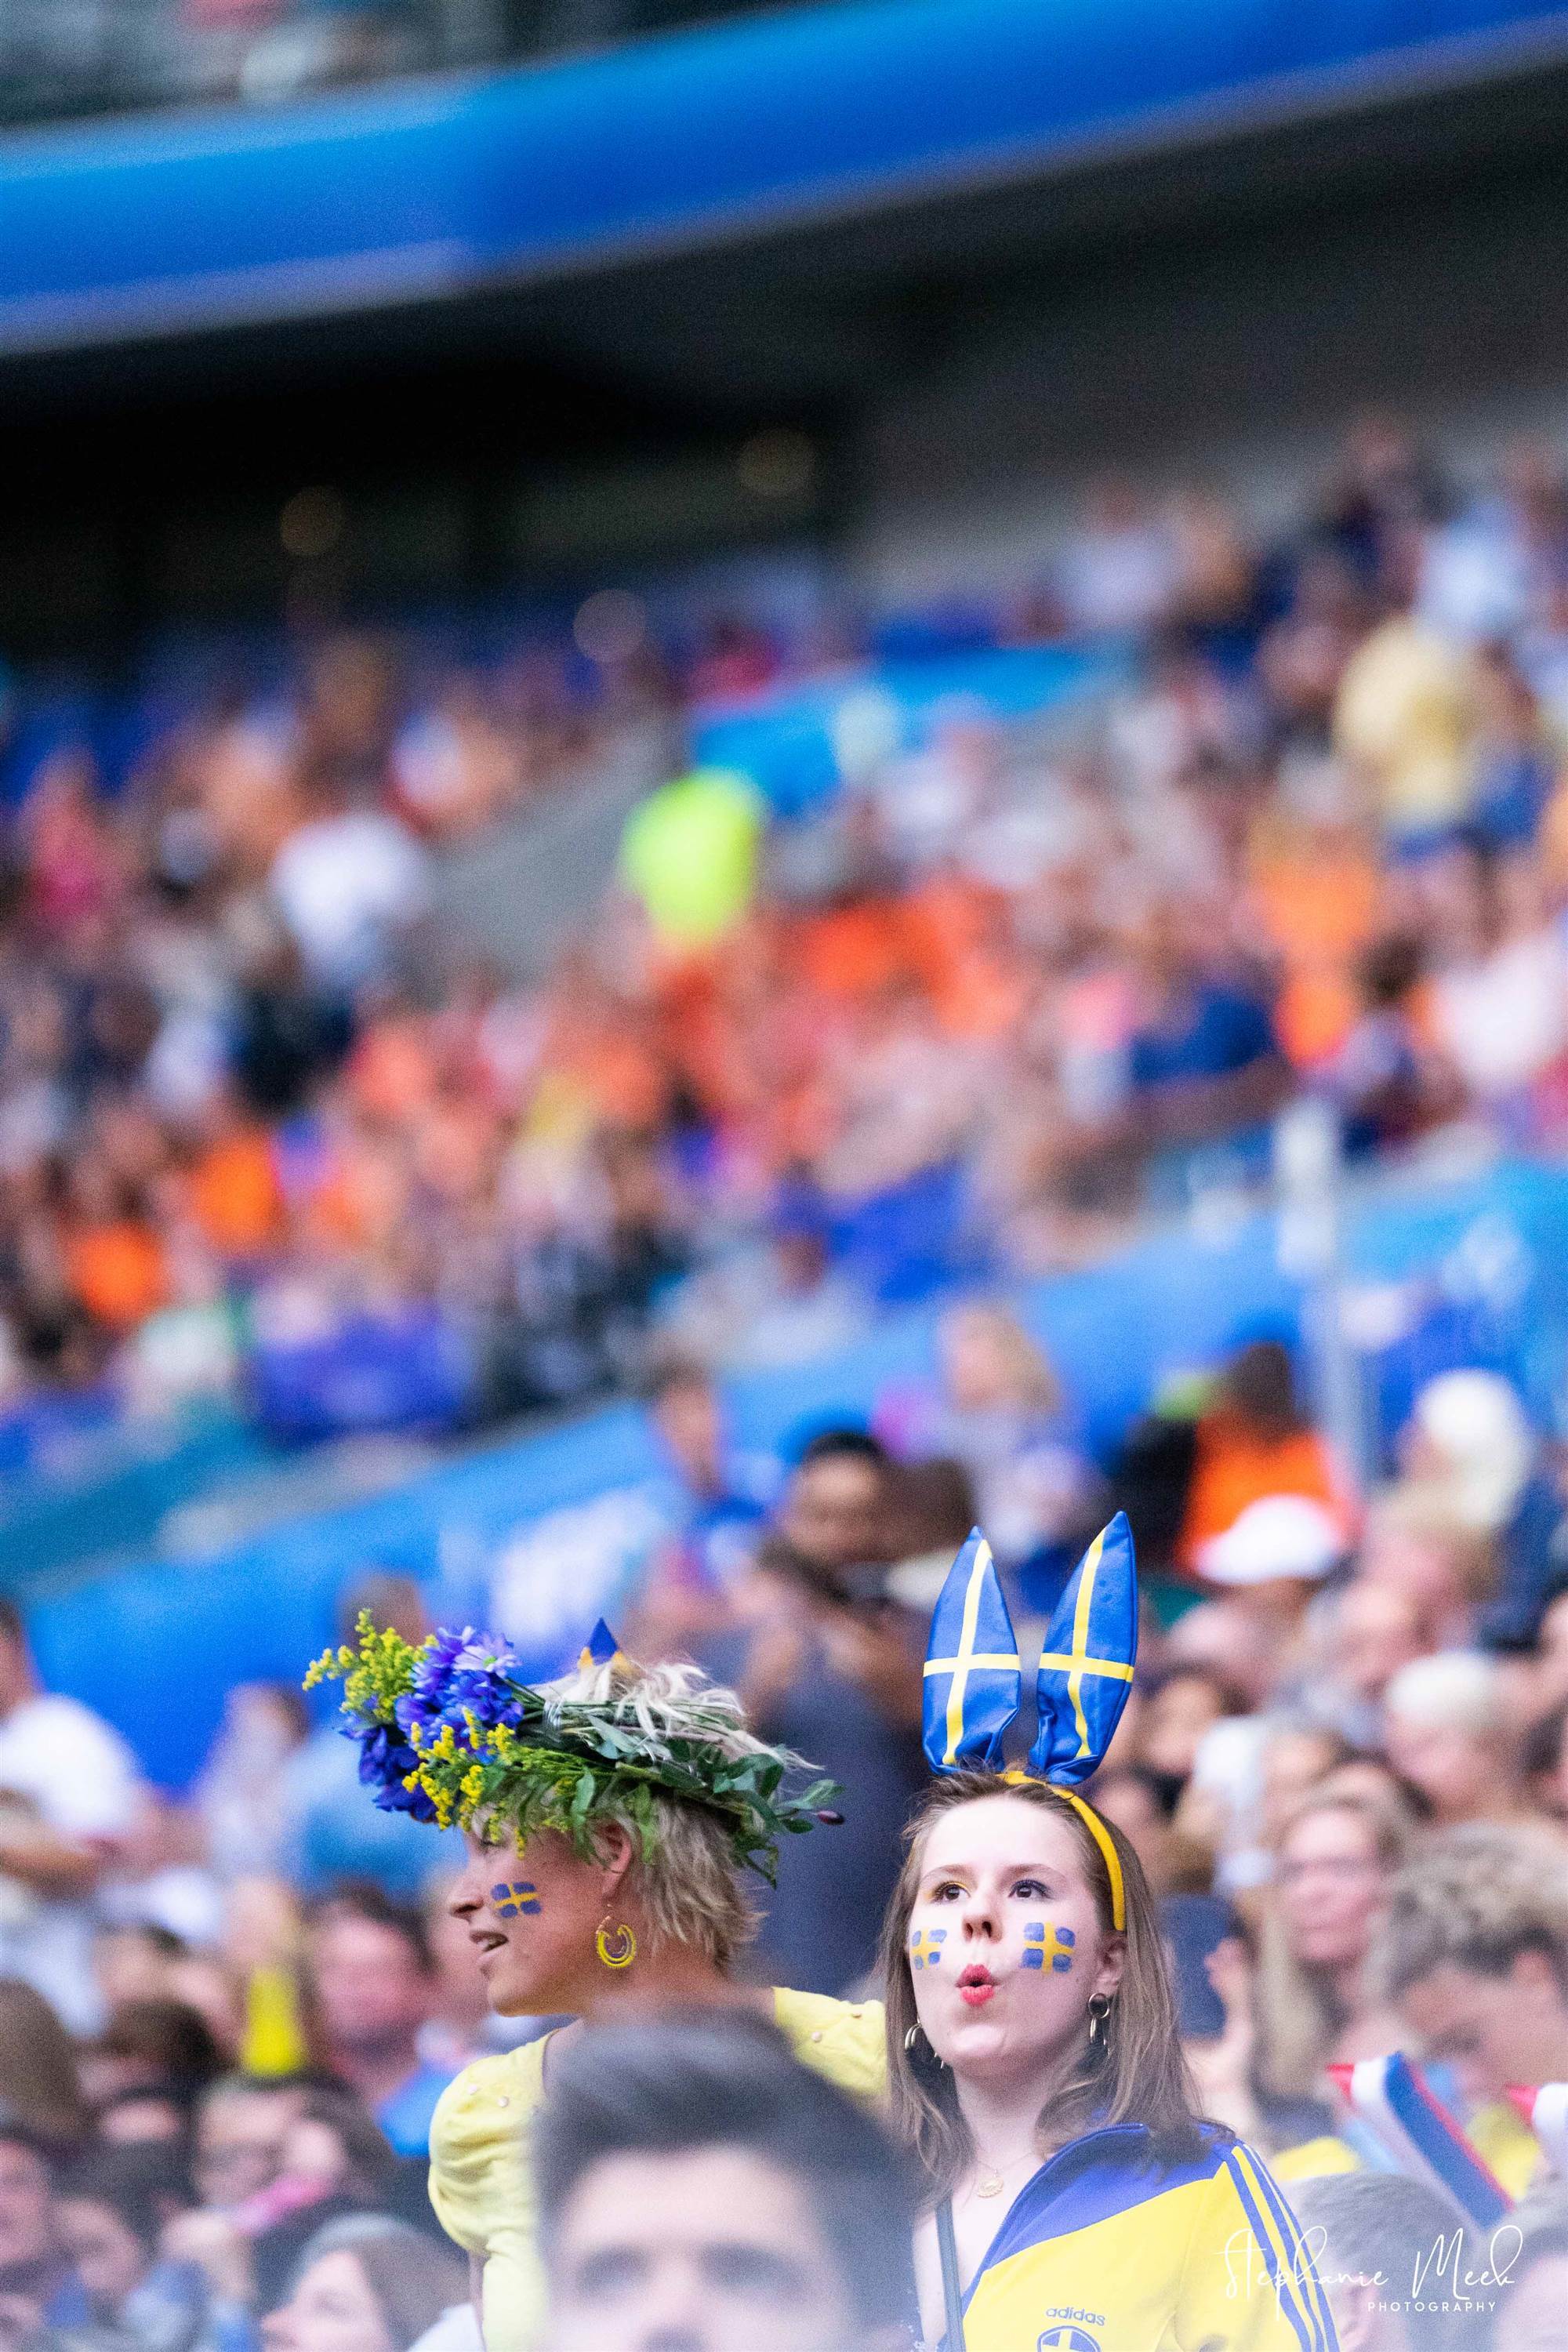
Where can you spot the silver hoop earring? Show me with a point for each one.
(1099, 2012)
(917, 2034)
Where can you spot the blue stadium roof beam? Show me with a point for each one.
(473, 182)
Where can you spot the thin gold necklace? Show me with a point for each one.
(992, 2182)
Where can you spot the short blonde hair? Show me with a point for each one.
(1475, 1899)
(690, 1884)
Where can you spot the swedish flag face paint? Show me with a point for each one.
(925, 1948)
(516, 1898)
(1052, 1947)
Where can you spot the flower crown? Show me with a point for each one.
(449, 1733)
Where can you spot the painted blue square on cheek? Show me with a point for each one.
(1033, 1933)
(1034, 1959)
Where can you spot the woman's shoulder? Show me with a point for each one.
(477, 2137)
(843, 2039)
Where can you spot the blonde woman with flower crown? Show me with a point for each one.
(609, 1818)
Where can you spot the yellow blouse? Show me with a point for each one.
(481, 2180)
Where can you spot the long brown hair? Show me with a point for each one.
(1300, 2011)
(39, 2086)
(1136, 2075)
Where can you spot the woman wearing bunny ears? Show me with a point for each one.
(1077, 2201)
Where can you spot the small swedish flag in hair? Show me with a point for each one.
(601, 1649)
(973, 1683)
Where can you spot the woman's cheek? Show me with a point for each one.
(932, 1954)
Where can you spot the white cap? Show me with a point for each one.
(1281, 1535)
(1475, 1422)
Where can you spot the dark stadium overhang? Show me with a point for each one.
(575, 198)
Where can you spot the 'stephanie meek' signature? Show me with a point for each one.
(1444, 2277)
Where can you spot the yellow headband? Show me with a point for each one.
(1096, 1830)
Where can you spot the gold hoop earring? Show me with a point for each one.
(1098, 2011)
(617, 1949)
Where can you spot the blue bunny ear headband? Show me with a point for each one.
(974, 1677)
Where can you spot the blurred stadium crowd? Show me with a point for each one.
(991, 1002)
(1315, 843)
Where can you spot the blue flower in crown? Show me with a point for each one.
(461, 1674)
(384, 1764)
(483, 1684)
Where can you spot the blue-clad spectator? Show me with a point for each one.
(1204, 1065)
(721, 1499)
(370, 1989)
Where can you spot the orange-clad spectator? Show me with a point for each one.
(1253, 1442)
(856, 950)
(119, 1271)
(1317, 892)
(233, 1195)
(958, 938)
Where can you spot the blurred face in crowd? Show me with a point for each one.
(331, 2310)
(1004, 1940)
(985, 1358)
(139, 2119)
(1460, 1772)
(1331, 1887)
(1126, 1798)
(1294, 1762)
(1176, 1719)
(17, 1679)
(532, 1914)
(372, 1991)
(702, 2250)
(687, 1413)
(239, 2142)
(836, 1512)
(1530, 2316)
(1492, 2030)
(27, 2229)
(1418, 1564)
(129, 1965)
(110, 2259)
(1376, 1630)
(1551, 1788)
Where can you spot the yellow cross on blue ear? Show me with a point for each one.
(1085, 1668)
(973, 1683)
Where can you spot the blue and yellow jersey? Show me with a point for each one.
(1114, 2247)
